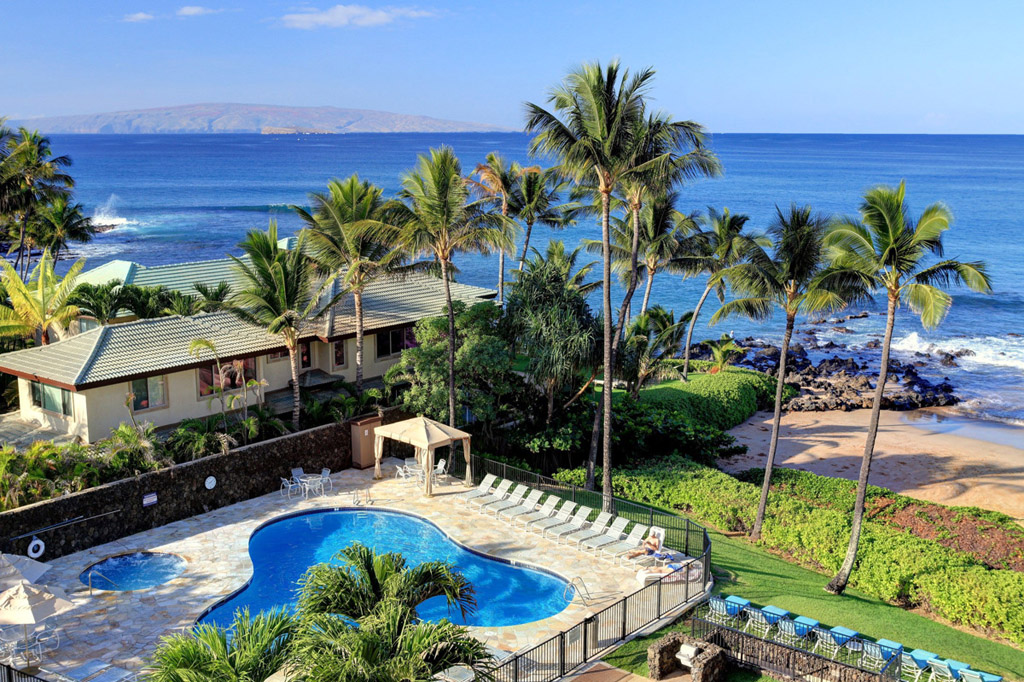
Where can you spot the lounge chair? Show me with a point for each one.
(873, 657)
(598, 527)
(559, 517)
(938, 669)
(718, 612)
(499, 493)
(914, 663)
(786, 633)
(968, 675)
(632, 541)
(546, 510)
(509, 502)
(483, 489)
(756, 622)
(577, 522)
(614, 533)
(648, 558)
(825, 641)
(528, 505)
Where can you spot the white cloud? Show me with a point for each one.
(341, 16)
(137, 17)
(196, 11)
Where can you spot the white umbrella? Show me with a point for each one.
(15, 568)
(27, 604)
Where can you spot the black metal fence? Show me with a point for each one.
(9, 674)
(790, 662)
(593, 636)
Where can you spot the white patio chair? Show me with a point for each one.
(826, 642)
(290, 486)
(440, 471)
(719, 612)
(938, 670)
(325, 479)
(787, 633)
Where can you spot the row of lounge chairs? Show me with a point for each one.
(564, 521)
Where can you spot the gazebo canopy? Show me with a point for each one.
(424, 435)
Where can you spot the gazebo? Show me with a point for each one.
(425, 435)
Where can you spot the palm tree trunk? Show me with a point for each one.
(838, 583)
(689, 332)
(647, 290)
(451, 343)
(357, 297)
(595, 441)
(293, 358)
(609, 354)
(526, 244)
(501, 276)
(551, 401)
(780, 384)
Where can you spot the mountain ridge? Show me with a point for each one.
(224, 118)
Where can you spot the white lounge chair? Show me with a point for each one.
(598, 527)
(525, 507)
(614, 533)
(788, 634)
(563, 514)
(646, 558)
(509, 502)
(756, 622)
(632, 541)
(483, 489)
(577, 522)
(499, 493)
(546, 510)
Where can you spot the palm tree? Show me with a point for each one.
(42, 304)
(652, 338)
(100, 301)
(534, 200)
(439, 220)
(185, 305)
(712, 251)
(146, 302)
(58, 222)
(723, 352)
(251, 650)
(341, 244)
(280, 294)
(200, 437)
(197, 348)
(498, 179)
(790, 282)
(886, 249)
(214, 297)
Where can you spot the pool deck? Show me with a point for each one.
(123, 628)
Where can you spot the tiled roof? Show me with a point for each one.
(117, 352)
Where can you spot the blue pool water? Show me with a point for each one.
(282, 550)
(136, 571)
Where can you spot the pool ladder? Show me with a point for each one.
(94, 572)
(580, 587)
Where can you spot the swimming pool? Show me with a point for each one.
(135, 571)
(284, 548)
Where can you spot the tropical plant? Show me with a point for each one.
(103, 302)
(260, 424)
(718, 246)
(439, 220)
(280, 294)
(534, 200)
(198, 348)
(724, 351)
(886, 249)
(41, 304)
(662, 229)
(654, 337)
(342, 245)
(185, 305)
(58, 222)
(251, 650)
(497, 180)
(213, 297)
(248, 428)
(132, 447)
(788, 281)
(146, 302)
(199, 437)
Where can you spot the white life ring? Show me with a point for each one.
(36, 548)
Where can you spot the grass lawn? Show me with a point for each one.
(743, 569)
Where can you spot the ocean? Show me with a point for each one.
(192, 197)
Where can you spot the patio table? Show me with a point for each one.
(921, 657)
(890, 648)
(956, 666)
(804, 625)
(842, 635)
(310, 482)
(734, 605)
(773, 614)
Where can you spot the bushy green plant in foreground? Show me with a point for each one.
(894, 565)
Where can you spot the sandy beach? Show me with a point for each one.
(915, 460)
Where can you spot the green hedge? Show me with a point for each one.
(892, 564)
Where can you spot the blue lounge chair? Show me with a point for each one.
(756, 622)
(825, 641)
(718, 612)
(787, 633)
(968, 675)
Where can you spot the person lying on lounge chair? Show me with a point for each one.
(651, 545)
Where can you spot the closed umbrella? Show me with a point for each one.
(27, 604)
(15, 569)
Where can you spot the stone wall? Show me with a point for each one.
(710, 665)
(116, 510)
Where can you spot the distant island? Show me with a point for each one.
(252, 118)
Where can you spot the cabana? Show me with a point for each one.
(425, 435)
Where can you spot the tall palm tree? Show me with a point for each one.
(534, 200)
(497, 180)
(40, 305)
(788, 281)
(721, 244)
(341, 244)
(886, 249)
(100, 301)
(60, 221)
(251, 650)
(280, 293)
(439, 220)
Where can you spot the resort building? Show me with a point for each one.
(77, 387)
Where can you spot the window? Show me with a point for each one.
(229, 380)
(339, 353)
(52, 398)
(395, 341)
(305, 356)
(149, 392)
(87, 323)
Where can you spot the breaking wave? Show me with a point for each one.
(991, 351)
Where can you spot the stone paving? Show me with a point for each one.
(123, 628)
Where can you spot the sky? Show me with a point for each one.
(894, 66)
